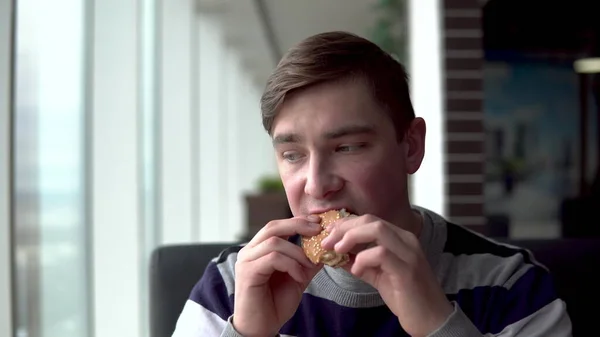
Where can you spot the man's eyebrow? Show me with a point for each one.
(350, 130)
(285, 138)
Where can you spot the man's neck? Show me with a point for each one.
(410, 220)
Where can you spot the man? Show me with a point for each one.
(345, 136)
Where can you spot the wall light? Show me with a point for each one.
(590, 65)
(589, 84)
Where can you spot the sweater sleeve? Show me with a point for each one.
(457, 325)
(524, 306)
(231, 332)
(209, 308)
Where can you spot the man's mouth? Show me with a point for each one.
(337, 208)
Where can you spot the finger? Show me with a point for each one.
(373, 233)
(339, 221)
(378, 258)
(275, 261)
(285, 228)
(276, 244)
(338, 229)
(368, 275)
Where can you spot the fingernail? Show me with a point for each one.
(313, 218)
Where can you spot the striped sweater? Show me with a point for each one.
(496, 290)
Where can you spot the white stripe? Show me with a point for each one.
(196, 321)
(456, 272)
(227, 271)
(551, 320)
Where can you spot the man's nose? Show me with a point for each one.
(321, 180)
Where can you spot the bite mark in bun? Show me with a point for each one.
(312, 245)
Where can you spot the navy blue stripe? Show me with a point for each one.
(315, 317)
(296, 239)
(318, 317)
(211, 293)
(461, 241)
(491, 309)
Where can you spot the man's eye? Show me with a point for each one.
(350, 148)
(291, 156)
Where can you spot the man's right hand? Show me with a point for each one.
(271, 274)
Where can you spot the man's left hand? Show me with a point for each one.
(391, 260)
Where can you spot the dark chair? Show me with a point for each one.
(573, 263)
(176, 269)
(577, 217)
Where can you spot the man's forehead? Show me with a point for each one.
(328, 110)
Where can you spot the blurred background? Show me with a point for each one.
(128, 125)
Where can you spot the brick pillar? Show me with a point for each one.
(463, 68)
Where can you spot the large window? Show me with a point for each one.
(49, 170)
(113, 103)
(6, 21)
(135, 124)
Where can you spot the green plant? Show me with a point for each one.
(390, 29)
(270, 183)
(513, 164)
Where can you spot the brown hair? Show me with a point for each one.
(336, 56)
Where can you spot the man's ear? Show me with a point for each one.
(415, 145)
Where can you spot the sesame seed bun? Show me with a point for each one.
(312, 245)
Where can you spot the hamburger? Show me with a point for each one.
(312, 245)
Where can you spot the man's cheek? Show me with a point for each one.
(369, 175)
(377, 183)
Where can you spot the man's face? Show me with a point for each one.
(336, 148)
